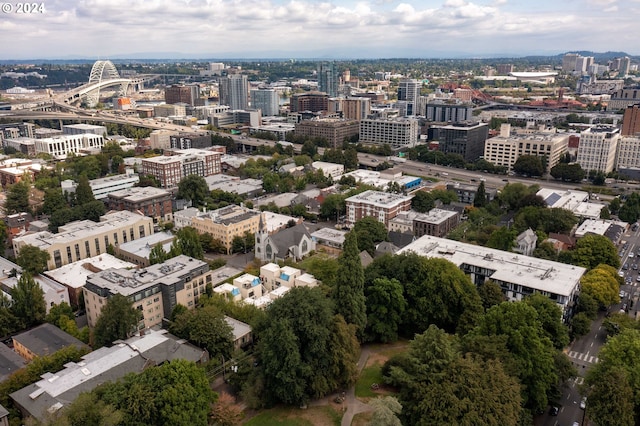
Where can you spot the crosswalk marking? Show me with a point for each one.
(583, 357)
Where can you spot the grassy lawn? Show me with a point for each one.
(287, 416)
(369, 376)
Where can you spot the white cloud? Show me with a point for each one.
(308, 28)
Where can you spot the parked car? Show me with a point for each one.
(583, 403)
(554, 411)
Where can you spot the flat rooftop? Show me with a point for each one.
(139, 194)
(379, 198)
(539, 274)
(435, 216)
(75, 274)
(130, 281)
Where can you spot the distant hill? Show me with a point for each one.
(601, 56)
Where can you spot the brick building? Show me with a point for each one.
(381, 205)
(150, 201)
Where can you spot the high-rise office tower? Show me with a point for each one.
(569, 62)
(409, 91)
(234, 91)
(328, 79)
(265, 100)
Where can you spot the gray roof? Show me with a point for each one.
(9, 362)
(288, 238)
(47, 339)
(101, 366)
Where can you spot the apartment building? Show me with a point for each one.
(436, 222)
(383, 206)
(352, 108)
(517, 275)
(227, 223)
(451, 111)
(160, 139)
(83, 128)
(334, 130)
(506, 148)
(399, 133)
(169, 170)
(631, 120)
(597, 149)
(102, 187)
(84, 238)
(309, 101)
(180, 93)
(24, 145)
(190, 140)
(153, 202)
(154, 290)
(43, 340)
(234, 91)
(266, 100)
(628, 155)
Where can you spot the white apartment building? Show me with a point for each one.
(597, 149)
(401, 132)
(628, 155)
(517, 275)
(504, 149)
(60, 146)
(102, 187)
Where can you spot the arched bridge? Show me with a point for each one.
(103, 75)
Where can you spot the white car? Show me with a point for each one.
(583, 404)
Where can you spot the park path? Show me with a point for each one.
(354, 405)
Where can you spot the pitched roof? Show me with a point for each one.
(46, 339)
(288, 238)
(9, 362)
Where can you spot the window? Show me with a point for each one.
(133, 237)
(77, 247)
(69, 258)
(141, 230)
(115, 238)
(87, 249)
(57, 259)
(124, 236)
(97, 240)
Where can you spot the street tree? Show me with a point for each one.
(512, 194)
(593, 250)
(502, 239)
(439, 385)
(206, 328)
(529, 349)
(480, 200)
(580, 325)
(602, 285)
(225, 411)
(32, 259)
(186, 242)
(348, 289)
(157, 255)
(550, 316)
(422, 202)
(332, 206)
(193, 188)
(614, 205)
(567, 172)
(117, 321)
(17, 200)
(529, 165)
(385, 308)
(630, 210)
(370, 233)
(84, 193)
(28, 304)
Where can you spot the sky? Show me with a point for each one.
(298, 29)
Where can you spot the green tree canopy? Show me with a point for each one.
(529, 165)
(117, 321)
(385, 308)
(176, 393)
(370, 232)
(186, 242)
(84, 193)
(28, 303)
(568, 172)
(304, 351)
(348, 289)
(32, 259)
(193, 188)
(17, 198)
(602, 285)
(480, 200)
(422, 202)
(593, 250)
(529, 349)
(550, 316)
(206, 328)
(438, 385)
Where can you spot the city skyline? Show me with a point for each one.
(101, 29)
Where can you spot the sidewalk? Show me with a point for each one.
(355, 406)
